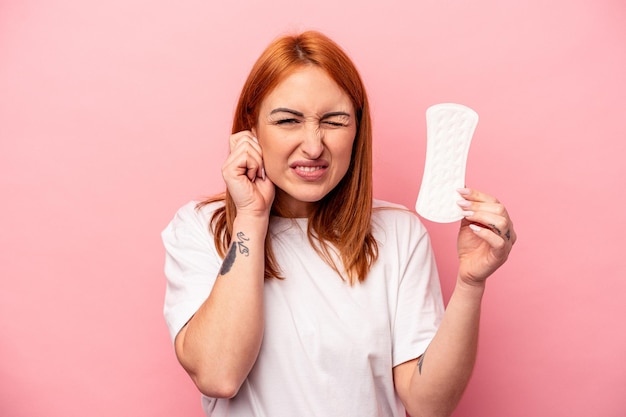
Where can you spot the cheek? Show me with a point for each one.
(344, 150)
(346, 154)
(278, 143)
(275, 155)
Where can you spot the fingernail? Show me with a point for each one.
(255, 139)
(263, 173)
(463, 191)
(475, 228)
(467, 213)
(464, 203)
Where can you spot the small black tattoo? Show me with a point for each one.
(493, 226)
(508, 235)
(243, 249)
(420, 361)
(229, 260)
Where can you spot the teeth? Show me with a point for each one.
(308, 169)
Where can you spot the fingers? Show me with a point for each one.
(240, 137)
(475, 195)
(488, 217)
(494, 239)
(245, 157)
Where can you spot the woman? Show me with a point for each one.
(297, 294)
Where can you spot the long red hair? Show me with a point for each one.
(341, 220)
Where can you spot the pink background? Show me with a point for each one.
(113, 114)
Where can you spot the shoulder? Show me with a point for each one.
(394, 225)
(193, 216)
(391, 216)
(198, 211)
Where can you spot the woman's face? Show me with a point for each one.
(306, 128)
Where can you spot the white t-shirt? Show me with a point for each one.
(328, 347)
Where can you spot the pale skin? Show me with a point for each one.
(220, 343)
(434, 386)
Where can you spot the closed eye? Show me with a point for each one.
(286, 121)
(333, 123)
(336, 119)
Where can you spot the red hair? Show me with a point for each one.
(340, 221)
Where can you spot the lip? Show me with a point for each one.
(309, 170)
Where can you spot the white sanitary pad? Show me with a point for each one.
(449, 130)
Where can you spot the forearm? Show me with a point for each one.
(220, 343)
(443, 372)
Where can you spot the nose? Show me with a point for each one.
(313, 141)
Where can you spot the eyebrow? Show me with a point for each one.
(286, 110)
(300, 114)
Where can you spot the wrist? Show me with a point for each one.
(471, 289)
(251, 223)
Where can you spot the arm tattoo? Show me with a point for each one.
(420, 361)
(229, 260)
(243, 249)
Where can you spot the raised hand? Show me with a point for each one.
(485, 238)
(244, 175)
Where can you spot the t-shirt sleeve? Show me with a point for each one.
(191, 265)
(419, 308)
